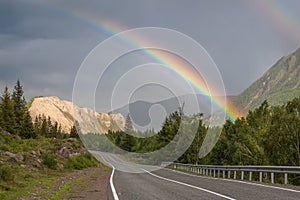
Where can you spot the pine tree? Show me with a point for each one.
(54, 130)
(27, 127)
(7, 112)
(73, 132)
(128, 124)
(22, 115)
(44, 127)
(49, 127)
(36, 125)
(19, 106)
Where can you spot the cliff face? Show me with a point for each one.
(63, 112)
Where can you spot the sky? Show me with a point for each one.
(44, 42)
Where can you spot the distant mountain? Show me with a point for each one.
(278, 85)
(62, 111)
(145, 114)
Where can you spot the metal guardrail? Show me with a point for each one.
(225, 171)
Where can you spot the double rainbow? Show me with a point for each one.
(276, 12)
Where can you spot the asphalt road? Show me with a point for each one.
(154, 183)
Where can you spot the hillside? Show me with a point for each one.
(37, 168)
(62, 111)
(281, 83)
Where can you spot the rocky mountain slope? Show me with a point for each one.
(62, 111)
(278, 85)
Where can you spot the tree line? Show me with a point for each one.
(15, 117)
(268, 135)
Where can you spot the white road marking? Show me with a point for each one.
(238, 181)
(188, 185)
(111, 182)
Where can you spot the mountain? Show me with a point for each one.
(62, 111)
(146, 115)
(278, 85)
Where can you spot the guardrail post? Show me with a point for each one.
(272, 177)
(234, 175)
(285, 178)
(260, 176)
(215, 170)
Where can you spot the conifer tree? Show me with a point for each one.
(19, 106)
(73, 132)
(27, 129)
(128, 124)
(7, 112)
(44, 127)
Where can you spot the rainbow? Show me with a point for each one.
(280, 16)
(109, 28)
(275, 11)
(196, 81)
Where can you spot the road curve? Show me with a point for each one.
(169, 184)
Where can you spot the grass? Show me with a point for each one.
(40, 166)
(64, 188)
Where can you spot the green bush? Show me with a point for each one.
(5, 147)
(49, 160)
(6, 173)
(81, 162)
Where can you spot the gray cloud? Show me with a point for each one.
(44, 42)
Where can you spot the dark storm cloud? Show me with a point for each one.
(32, 19)
(41, 46)
(44, 42)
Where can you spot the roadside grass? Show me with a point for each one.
(25, 183)
(28, 168)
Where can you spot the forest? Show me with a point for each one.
(268, 135)
(16, 120)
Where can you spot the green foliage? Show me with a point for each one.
(19, 106)
(81, 161)
(27, 130)
(73, 131)
(49, 160)
(14, 114)
(7, 112)
(6, 173)
(278, 85)
(44, 127)
(267, 136)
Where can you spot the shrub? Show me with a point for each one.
(81, 162)
(6, 173)
(5, 147)
(49, 160)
